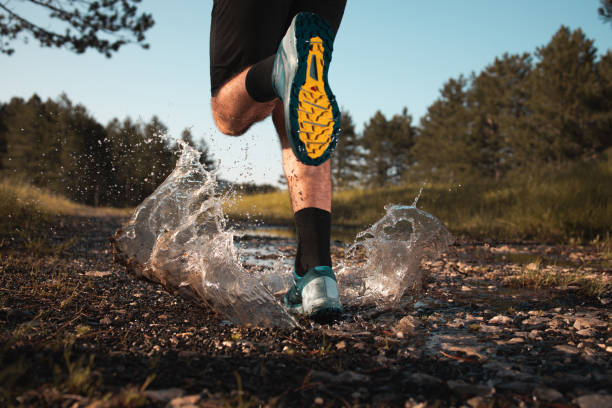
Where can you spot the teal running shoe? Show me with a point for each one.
(315, 295)
(299, 78)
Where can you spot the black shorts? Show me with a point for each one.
(244, 32)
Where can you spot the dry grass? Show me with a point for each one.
(535, 276)
(572, 204)
(26, 208)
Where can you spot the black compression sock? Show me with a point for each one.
(313, 227)
(259, 80)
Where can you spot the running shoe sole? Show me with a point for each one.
(312, 117)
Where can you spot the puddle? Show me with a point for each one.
(345, 235)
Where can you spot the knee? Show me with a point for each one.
(228, 125)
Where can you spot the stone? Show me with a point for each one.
(360, 346)
(588, 332)
(468, 350)
(535, 321)
(500, 319)
(465, 390)
(565, 348)
(594, 401)
(346, 377)
(424, 380)
(547, 394)
(188, 401)
(588, 323)
(411, 403)
(98, 274)
(341, 345)
(479, 402)
(490, 329)
(164, 395)
(407, 325)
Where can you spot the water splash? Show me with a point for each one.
(394, 247)
(178, 237)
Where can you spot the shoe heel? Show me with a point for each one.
(321, 294)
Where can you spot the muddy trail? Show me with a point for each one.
(497, 324)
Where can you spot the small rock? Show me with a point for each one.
(565, 348)
(594, 401)
(346, 377)
(589, 322)
(535, 335)
(98, 274)
(479, 402)
(468, 350)
(589, 332)
(411, 403)
(547, 394)
(360, 346)
(105, 321)
(164, 395)
(500, 319)
(341, 345)
(464, 390)
(407, 325)
(227, 343)
(188, 401)
(536, 321)
(318, 401)
(490, 329)
(424, 380)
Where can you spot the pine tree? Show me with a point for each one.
(497, 99)
(347, 156)
(446, 148)
(387, 145)
(563, 84)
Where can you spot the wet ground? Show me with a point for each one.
(497, 324)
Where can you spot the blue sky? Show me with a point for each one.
(388, 54)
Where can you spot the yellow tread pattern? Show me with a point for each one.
(315, 116)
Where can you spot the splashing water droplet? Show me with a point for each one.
(178, 237)
(394, 247)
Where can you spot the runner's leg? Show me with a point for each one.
(310, 189)
(243, 34)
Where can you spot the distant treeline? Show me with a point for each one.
(514, 116)
(60, 146)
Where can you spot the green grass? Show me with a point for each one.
(572, 204)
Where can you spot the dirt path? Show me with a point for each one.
(497, 325)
